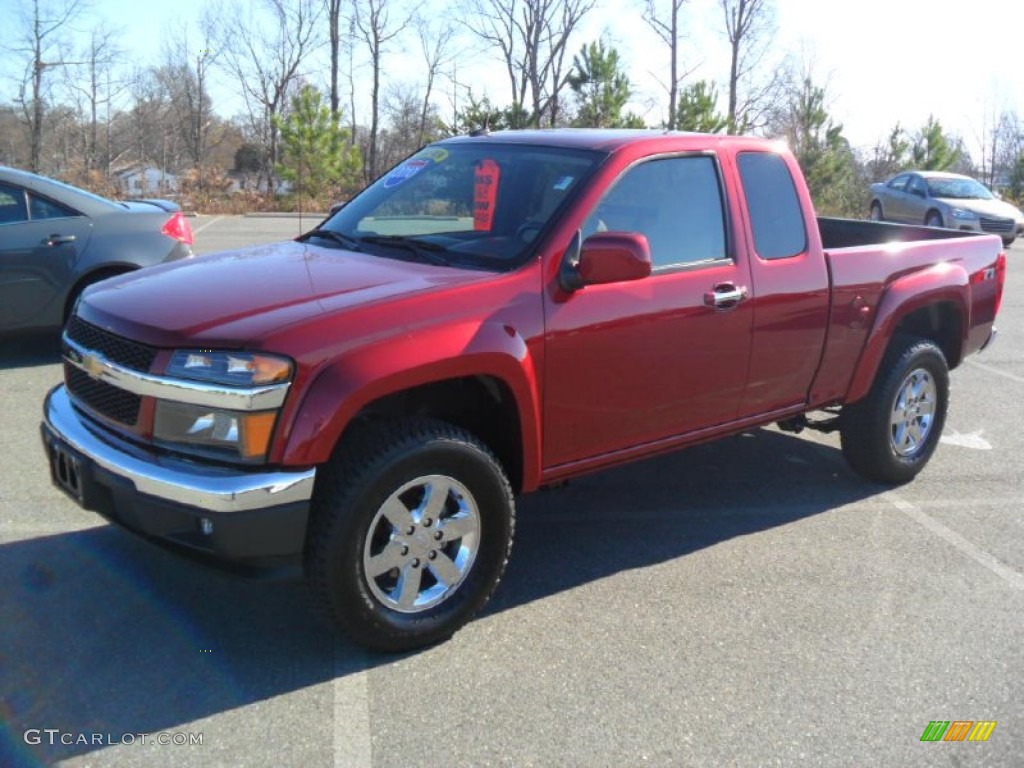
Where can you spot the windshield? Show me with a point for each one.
(963, 189)
(473, 204)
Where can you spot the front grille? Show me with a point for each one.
(998, 226)
(130, 354)
(101, 397)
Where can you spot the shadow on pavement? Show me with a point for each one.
(101, 633)
(29, 349)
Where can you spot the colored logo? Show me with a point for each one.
(958, 730)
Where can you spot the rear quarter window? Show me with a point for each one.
(776, 218)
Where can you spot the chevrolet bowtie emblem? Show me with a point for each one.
(93, 366)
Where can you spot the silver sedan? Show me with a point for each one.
(938, 199)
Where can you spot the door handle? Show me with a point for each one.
(58, 239)
(725, 296)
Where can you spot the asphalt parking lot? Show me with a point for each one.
(749, 602)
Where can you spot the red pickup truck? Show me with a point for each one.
(496, 314)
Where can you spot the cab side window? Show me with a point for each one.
(676, 202)
(776, 218)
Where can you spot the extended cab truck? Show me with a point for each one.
(495, 314)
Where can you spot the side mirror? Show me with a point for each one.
(337, 207)
(606, 257)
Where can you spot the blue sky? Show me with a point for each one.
(883, 60)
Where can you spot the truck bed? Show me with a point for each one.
(849, 233)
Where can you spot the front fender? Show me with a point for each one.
(345, 386)
(944, 283)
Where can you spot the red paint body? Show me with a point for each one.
(599, 375)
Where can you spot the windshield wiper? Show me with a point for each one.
(422, 249)
(329, 234)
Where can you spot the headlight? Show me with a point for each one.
(239, 369)
(963, 213)
(232, 435)
(215, 431)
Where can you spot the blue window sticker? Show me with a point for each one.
(563, 183)
(404, 172)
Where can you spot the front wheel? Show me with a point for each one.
(933, 219)
(890, 435)
(876, 211)
(410, 531)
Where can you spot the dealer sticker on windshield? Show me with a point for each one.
(404, 172)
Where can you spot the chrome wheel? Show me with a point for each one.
(913, 413)
(422, 543)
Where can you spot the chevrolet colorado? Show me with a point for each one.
(495, 314)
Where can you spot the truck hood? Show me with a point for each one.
(233, 298)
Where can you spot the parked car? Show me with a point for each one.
(498, 314)
(938, 199)
(56, 239)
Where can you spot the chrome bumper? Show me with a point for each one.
(208, 487)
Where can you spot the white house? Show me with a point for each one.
(140, 181)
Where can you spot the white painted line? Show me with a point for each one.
(996, 371)
(1000, 569)
(972, 440)
(353, 747)
(207, 224)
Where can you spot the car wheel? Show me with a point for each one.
(890, 435)
(1008, 241)
(933, 219)
(410, 530)
(876, 211)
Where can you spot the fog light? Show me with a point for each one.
(206, 526)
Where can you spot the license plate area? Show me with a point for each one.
(66, 471)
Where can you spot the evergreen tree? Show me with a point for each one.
(316, 154)
(933, 150)
(602, 89)
(698, 109)
(822, 151)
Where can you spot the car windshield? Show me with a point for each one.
(476, 204)
(962, 189)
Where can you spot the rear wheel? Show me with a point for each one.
(933, 219)
(890, 435)
(411, 528)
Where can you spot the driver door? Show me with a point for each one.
(632, 363)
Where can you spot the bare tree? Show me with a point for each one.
(185, 77)
(39, 40)
(94, 84)
(435, 45)
(264, 52)
(748, 26)
(532, 38)
(334, 24)
(375, 28)
(667, 28)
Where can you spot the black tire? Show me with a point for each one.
(874, 446)
(403, 466)
(933, 219)
(84, 283)
(1009, 240)
(876, 211)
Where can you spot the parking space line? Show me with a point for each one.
(996, 371)
(207, 224)
(1000, 569)
(352, 744)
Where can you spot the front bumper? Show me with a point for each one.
(225, 514)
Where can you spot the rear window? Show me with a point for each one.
(776, 219)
